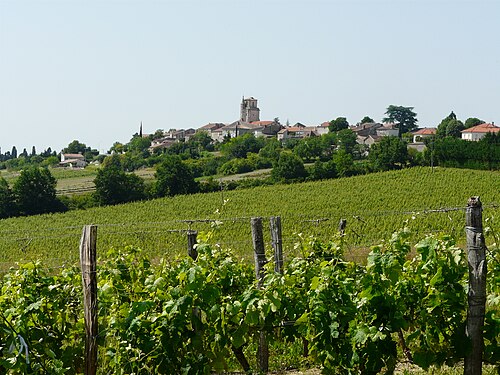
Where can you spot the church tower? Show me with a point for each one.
(249, 110)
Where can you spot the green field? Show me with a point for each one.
(374, 206)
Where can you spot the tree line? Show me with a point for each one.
(193, 165)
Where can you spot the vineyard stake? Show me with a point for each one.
(476, 255)
(260, 261)
(277, 242)
(191, 241)
(88, 260)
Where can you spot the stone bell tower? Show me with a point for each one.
(249, 110)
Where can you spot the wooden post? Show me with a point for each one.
(88, 260)
(476, 254)
(260, 261)
(277, 242)
(191, 241)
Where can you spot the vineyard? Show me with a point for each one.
(199, 316)
(373, 205)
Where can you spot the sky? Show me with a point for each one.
(92, 70)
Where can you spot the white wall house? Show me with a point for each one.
(477, 132)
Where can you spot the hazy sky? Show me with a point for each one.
(92, 70)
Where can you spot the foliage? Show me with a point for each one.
(288, 168)
(338, 124)
(191, 316)
(483, 154)
(113, 185)
(373, 205)
(472, 121)
(450, 127)
(403, 117)
(366, 120)
(174, 177)
(7, 207)
(240, 146)
(388, 153)
(35, 192)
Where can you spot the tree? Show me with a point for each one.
(173, 177)
(13, 153)
(346, 140)
(6, 200)
(450, 127)
(472, 121)
(389, 153)
(288, 168)
(35, 192)
(344, 164)
(404, 118)
(338, 124)
(113, 185)
(366, 120)
(239, 147)
(75, 147)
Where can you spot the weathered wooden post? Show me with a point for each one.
(191, 241)
(476, 255)
(88, 262)
(260, 261)
(277, 243)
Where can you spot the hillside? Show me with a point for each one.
(374, 205)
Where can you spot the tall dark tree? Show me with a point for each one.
(389, 153)
(338, 124)
(113, 185)
(13, 153)
(6, 200)
(35, 192)
(450, 126)
(472, 121)
(76, 147)
(403, 117)
(366, 120)
(288, 168)
(33, 151)
(173, 177)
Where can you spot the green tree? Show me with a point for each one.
(344, 165)
(389, 153)
(346, 140)
(113, 185)
(450, 126)
(472, 121)
(75, 147)
(366, 120)
(173, 177)
(6, 200)
(288, 168)
(271, 150)
(35, 192)
(310, 148)
(338, 124)
(404, 118)
(239, 147)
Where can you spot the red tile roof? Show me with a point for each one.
(425, 131)
(483, 128)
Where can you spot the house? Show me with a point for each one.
(388, 130)
(267, 128)
(298, 131)
(420, 134)
(366, 129)
(478, 132)
(323, 128)
(162, 143)
(72, 161)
